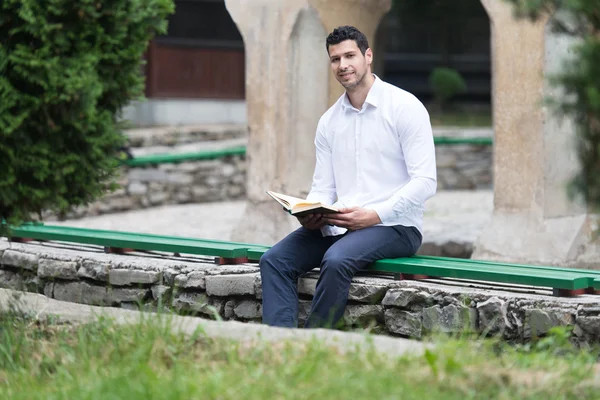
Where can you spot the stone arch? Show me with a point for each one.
(412, 48)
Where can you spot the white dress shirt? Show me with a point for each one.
(380, 157)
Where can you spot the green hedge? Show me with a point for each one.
(67, 67)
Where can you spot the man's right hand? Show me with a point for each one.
(312, 221)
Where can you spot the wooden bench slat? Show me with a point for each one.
(448, 269)
(503, 264)
(225, 243)
(127, 240)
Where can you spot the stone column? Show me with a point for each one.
(289, 85)
(534, 221)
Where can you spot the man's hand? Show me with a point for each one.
(312, 221)
(353, 218)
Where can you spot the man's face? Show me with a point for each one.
(348, 64)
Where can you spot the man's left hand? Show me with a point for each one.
(353, 218)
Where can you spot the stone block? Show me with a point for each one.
(192, 167)
(248, 309)
(160, 291)
(363, 314)
(169, 276)
(445, 158)
(589, 327)
(79, 292)
(120, 295)
(183, 196)
(307, 285)
(158, 198)
(193, 280)
(539, 322)
(10, 280)
(403, 322)
(228, 312)
(48, 268)
(147, 175)
(366, 293)
(492, 315)
(230, 285)
(137, 189)
(228, 170)
(49, 289)
(449, 319)
(303, 311)
(214, 181)
(120, 204)
(199, 192)
(258, 286)
(94, 270)
(182, 179)
(236, 191)
(125, 277)
(33, 284)
(407, 297)
(18, 259)
(198, 303)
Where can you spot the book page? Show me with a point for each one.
(291, 200)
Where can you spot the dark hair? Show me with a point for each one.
(347, 32)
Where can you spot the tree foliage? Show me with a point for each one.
(580, 79)
(67, 68)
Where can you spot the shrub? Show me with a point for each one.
(67, 67)
(445, 84)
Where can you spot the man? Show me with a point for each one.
(376, 162)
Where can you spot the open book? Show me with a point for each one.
(300, 207)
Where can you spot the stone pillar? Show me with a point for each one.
(289, 85)
(534, 221)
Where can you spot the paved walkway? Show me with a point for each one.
(457, 216)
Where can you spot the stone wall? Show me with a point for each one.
(187, 182)
(197, 286)
(464, 167)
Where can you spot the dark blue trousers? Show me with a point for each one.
(338, 257)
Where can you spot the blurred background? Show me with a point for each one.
(438, 50)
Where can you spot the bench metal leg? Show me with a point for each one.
(117, 250)
(24, 240)
(230, 261)
(567, 292)
(416, 277)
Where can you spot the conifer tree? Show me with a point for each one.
(67, 68)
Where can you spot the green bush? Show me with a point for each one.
(580, 79)
(67, 67)
(446, 83)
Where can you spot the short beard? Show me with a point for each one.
(355, 84)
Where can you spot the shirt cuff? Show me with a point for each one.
(384, 211)
(329, 230)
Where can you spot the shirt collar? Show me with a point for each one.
(372, 97)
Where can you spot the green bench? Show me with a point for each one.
(563, 281)
(120, 242)
(170, 158)
(155, 159)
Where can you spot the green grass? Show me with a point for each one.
(149, 360)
